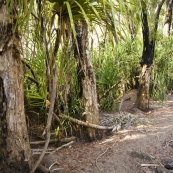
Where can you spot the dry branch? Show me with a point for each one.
(64, 140)
(79, 122)
(49, 120)
(107, 91)
(148, 164)
(99, 157)
(32, 72)
(43, 169)
(58, 120)
(63, 146)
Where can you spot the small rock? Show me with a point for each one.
(168, 163)
(142, 156)
(171, 144)
(161, 169)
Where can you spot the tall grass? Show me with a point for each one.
(162, 71)
(112, 64)
(119, 63)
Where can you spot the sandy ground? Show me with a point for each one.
(123, 151)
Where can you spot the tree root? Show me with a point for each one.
(49, 120)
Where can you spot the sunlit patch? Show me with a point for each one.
(132, 137)
(108, 140)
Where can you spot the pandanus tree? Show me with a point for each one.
(74, 20)
(168, 18)
(149, 39)
(86, 78)
(15, 154)
(15, 150)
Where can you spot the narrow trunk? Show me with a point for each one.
(168, 18)
(15, 154)
(142, 101)
(86, 78)
(149, 38)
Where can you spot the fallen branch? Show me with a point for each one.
(50, 151)
(32, 72)
(63, 146)
(99, 157)
(34, 80)
(65, 140)
(107, 91)
(57, 119)
(148, 164)
(49, 120)
(43, 169)
(39, 151)
(79, 122)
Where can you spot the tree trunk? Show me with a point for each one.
(168, 18)
(15, 154)
(86, 78)
(149, 38)
(142, 101)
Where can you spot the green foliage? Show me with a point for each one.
(113, 65)
(35, 94)
(161, 76)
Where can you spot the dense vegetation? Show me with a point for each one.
(79, 57)
(116, 61)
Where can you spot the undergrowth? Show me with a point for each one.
(162, 71)
(117, 71)
(119, 64)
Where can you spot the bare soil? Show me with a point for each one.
(123, 151)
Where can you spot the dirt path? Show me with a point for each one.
(123, 151)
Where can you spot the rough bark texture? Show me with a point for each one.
(149, 39)
(142, 101)
(168, 18)
(86, 78)
(15, 153)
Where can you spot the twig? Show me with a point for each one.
(43, 169)
(56, 169)
(55, 163)
(49, 120)
(33, 80)
(65, 145)
(57, 118)
(38, 151)
(123, 88)
(32, 72)
(145, 165)
(100, 156)
(107, 91)
(79, 122)
(64, 140)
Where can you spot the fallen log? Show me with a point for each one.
(82, 123)
(64, 140)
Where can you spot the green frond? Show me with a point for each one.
(83, 12)
(71, 18)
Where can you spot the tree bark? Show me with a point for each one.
(149, 38)
(15, 154)
(168, 18)
(86, 79)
